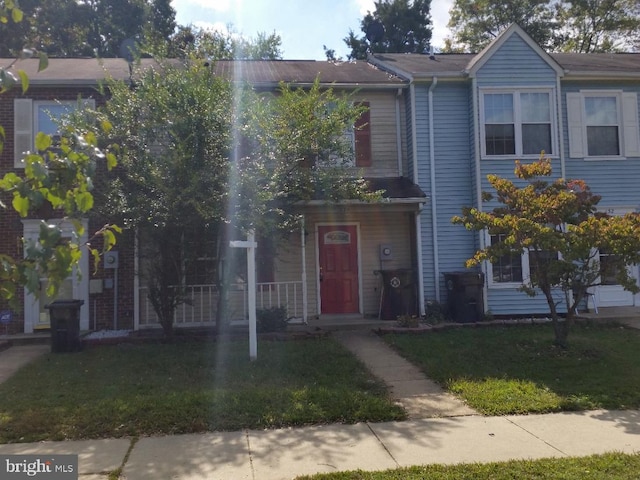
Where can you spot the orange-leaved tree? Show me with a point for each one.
(558, 224)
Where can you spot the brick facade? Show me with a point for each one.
(101, 305)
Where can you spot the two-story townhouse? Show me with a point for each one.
(470, 115)
(53, 92)
(337, 264)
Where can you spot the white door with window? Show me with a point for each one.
(609, 293)
(36, 316)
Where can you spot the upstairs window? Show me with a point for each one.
(33, 116)
(358, 140)
(517, 123)
(603, 124)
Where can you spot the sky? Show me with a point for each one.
(303, 25)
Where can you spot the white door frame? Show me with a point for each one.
(615, 295)
(79, 277)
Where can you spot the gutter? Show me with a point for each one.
(481, 235)
(418, 217)
(399, 132)
(560, 131)
(384, 201)
(434, 207)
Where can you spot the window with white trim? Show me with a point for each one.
(33, 116)
(603, 124)
(517, 123)
(508, 268)
(514, 269)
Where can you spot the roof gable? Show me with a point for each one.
(478, 61)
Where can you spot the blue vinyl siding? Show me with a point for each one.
(454, 176)
(515, 64)
(617, 181)
(422, 147)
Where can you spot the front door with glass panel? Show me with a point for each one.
(610, 293)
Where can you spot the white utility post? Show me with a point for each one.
(251, 245)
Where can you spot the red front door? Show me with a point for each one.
(338, 247)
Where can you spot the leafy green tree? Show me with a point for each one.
(57, 178)
(71, 28)
(203, 159)
(229, 45)
(474, 24)
(598, 25)
(558, 225)
(582, 26)
(407, 26)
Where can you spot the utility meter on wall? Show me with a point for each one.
(111, 259)
(386, 253)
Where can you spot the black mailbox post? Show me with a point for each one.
(65, 325)
(465, 298)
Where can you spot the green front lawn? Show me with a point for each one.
(516, 369)
(596, 467)
(188, 387)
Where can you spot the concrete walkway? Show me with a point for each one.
(287, 453)
(418, 395)
(14, 358)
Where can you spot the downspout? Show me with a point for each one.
(414, 143)
(434, 206)
(399, 132)
(563, 170)
(482, 239)
(418, 223)
(414, 153)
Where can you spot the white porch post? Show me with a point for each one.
(250, 244)
(303, 241)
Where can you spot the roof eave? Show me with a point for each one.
(384, 201)
(590, 75)
(345, 85)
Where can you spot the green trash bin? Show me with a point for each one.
(65, 325)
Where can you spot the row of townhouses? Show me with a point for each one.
(436, 126)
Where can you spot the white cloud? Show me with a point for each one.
(365, 6)
(217, 5)
(216, 26)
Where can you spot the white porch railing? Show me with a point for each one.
(202, 302)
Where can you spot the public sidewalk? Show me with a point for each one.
(287, 453)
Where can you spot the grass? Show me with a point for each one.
(517, 370)
(130, 390)
(596, 467)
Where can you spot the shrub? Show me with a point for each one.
(272, 319)
(408, 321)
(436, 312)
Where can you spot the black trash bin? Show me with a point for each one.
(465, 297)
(65, 325)
(398, 293)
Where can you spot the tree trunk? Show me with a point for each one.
(560, 325)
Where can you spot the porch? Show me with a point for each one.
(200, 306)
